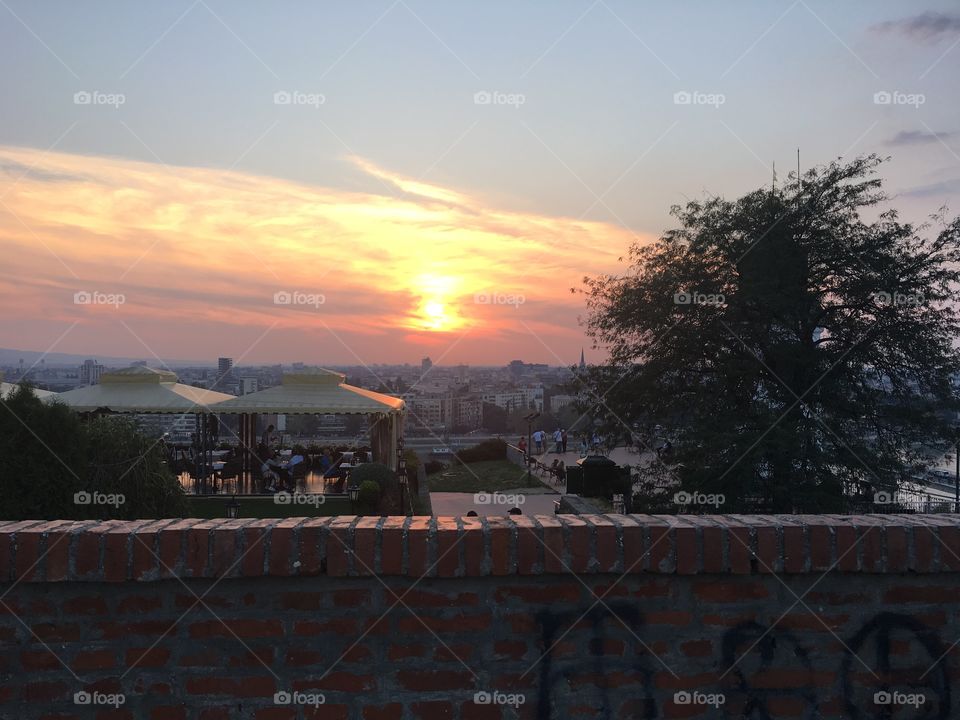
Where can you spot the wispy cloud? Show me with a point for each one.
(199, 254)
(934, 190)
(927, 27)
(919, 137)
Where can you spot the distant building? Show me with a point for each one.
(139, 363)
(583, 362)
(529, 398)
(224, 373)
(90, 372)
(248, 384)
(426, 364)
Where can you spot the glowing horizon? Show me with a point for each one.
(200, 256)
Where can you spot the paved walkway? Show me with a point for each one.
(536, 501)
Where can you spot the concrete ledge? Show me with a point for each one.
(347, 546)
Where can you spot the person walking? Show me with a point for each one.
(523, 446)
(563, 440)
(538, 441)
(557, 441)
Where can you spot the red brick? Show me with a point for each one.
(169, 712)
(311, 545)
(231, 686)
(247, 628)
(794, 549)
(848, 548)
(365, 537)
(145, 546)
(282, 547)
(577, 535)
(528, 545)
(338, 681)
(391, 550)
(434, 680)
(660, 549)
(606, 542)
(553, 545)
(339, 548)
(559, 591)
(731, 591)
(474, 554)
(896, 537)
(738, 548)
(256, 536)
(632, 537)
(500, 532)
(94, 660)
(448, 547)
(821, 548)
(171, 547)
(198, 548)
(924, 541)
(226, 549)
(85, 605)
(686, 547)
(156, 656)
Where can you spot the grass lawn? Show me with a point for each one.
(492, 474)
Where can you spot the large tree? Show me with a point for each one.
(797, 343)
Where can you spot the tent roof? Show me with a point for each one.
(7, 388)
(141, 389)
(313, 391)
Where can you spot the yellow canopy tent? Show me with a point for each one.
(324, 392)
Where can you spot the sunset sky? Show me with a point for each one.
(417, 178)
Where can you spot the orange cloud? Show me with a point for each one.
(198, 253)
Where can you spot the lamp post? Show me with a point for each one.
(233, 508)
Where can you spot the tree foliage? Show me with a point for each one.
(50, 456)
(798, 342)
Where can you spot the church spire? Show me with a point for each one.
(583, 363)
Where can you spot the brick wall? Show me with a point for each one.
(553, 617)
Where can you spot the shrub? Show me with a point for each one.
(378, 473)
(493, 449)
(50, 456)
(369, 497)
(434, 466)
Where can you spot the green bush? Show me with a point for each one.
(378, 473)
(434, 466)
(493, 449)
(368, 498)
(412, 461)
(50, 456)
